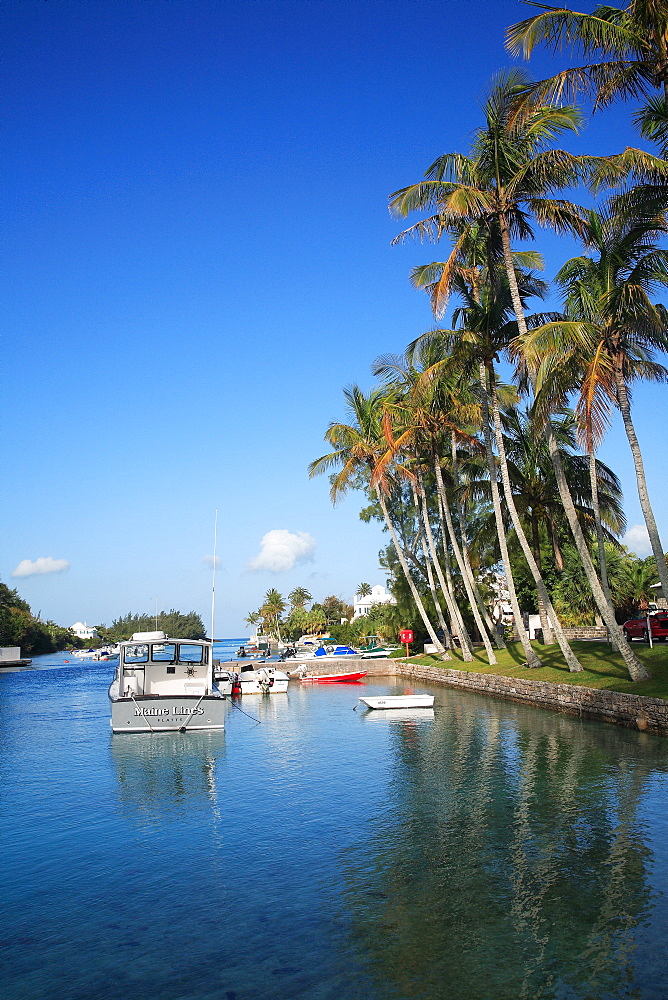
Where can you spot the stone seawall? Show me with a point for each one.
(632, 710)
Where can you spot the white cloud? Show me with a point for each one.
(38, 567)
(280, 550)
(210, 561)
(637, 540)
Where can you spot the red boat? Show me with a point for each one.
(333, 678)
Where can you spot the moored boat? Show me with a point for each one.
(398, 701)
(264, 680)
(342, 678)
(166, 685)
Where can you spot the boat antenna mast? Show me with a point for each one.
(213, 575)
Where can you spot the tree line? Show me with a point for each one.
(469, 472)
(19, 627)
(288, 620)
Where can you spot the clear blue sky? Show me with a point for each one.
(197, 260)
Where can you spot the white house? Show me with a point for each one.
(83, 631)
(378, 595)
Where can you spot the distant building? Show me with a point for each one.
(83, 631)
(501, 606)
(378, 595)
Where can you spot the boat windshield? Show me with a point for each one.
(166, 652)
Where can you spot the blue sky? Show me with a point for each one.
(198, 259)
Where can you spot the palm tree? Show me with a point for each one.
(484, 330)
(364, 590)
(272, 608)
(423, 407)
(535, 489)
(299, 597)
(511, 172)
(632, 42)
(611, 331)
(357, 448)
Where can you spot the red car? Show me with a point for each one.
(636, 628)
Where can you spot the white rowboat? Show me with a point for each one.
(399, 701)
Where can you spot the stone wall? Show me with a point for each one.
(632, 710)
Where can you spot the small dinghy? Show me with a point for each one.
(345, 678)
(399, 701)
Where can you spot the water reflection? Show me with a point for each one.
(166, 772)
(510, 860)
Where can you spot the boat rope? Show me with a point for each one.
(183, 728)
(234, 705)
(144, 717)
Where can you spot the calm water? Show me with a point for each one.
(488, 852)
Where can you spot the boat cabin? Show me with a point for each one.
(151, 663)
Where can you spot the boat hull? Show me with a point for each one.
(168, 714)
(266, 680)
(399, 701)
(347, 678)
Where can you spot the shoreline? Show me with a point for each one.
(633, 711)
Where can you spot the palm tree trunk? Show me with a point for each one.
(430, 577)
(464, 639)
(600, 539)
(449, 582)
(531, 658)
(572, 661)
(409, 579)
(460, 562)
(499, 641)
(635, 668)
(535, 542)
(643, 494)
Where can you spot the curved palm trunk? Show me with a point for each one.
(600, 539)
(462, 568)
(643, 494)
(450, 585)
(572, 661)
(432, 583)
(439, 610)
(409, 579)
(499, 641)
(633, 665)
(535, 548)
(531, 658)
(464, 638)
(635, 668)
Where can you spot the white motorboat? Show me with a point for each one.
(371, 648)
(333, 652)
(106, 653)
(264, 680)
(387, 701)
(166, 685)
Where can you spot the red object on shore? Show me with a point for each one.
(406, 635)
(333, 678)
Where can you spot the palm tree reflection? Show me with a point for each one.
(510, 861)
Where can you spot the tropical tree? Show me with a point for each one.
(364, 590)
(631, 43)
(484, 327)
(299, 597)
(534, 486)
(610, 333)
(511, 173)
(419, 410)
(272, 608)
(358, 446)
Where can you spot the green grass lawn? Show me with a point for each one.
(602, 667)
